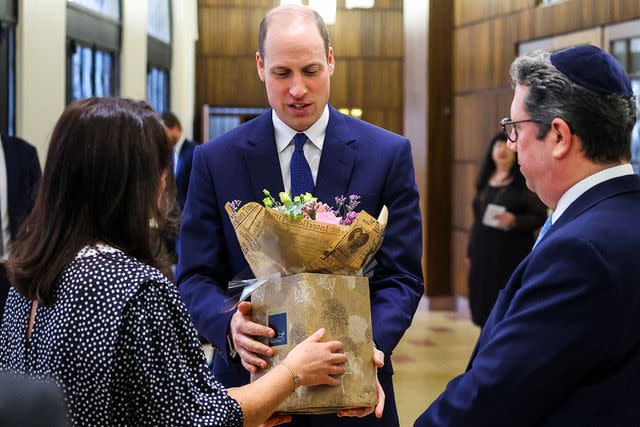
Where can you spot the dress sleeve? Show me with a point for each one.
(160, 372)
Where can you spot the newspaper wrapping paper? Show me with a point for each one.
(296, 306)
(304, 300)
(272, 242)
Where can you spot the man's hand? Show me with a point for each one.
(275, 420)
(242, 332)
(378, 360)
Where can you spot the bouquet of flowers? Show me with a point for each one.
(301, 234)
(305, 206)
(321, 251)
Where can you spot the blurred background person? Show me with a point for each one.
(506, 215)
(91, 311)
(182, 155)
(182, 161)
(19, 176)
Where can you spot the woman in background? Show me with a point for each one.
(91, 310)
(506, 214)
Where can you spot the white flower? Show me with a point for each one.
(357, 329)
(327, 283)
(303, 294)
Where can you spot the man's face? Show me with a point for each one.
(296, 71)
(534, 155)
(173, 133)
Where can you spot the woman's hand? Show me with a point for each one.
(317, 362)
(507, 220)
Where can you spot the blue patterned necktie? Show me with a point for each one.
(545, 227)
(301, 177)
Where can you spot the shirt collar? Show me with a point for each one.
(178, 146)
(581, 187)
(316, 132)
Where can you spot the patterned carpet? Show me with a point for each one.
(435, 349)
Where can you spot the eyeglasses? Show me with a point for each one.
(509, 127)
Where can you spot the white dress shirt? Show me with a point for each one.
(581, 187)
(176, 154)
(4, 203)
(312, 152)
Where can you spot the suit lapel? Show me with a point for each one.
(261, 157)
(338, 158)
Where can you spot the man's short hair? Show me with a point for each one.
(602, 121)
(310, 13)
(170, 120)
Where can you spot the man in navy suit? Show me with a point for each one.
(561, 346)
(19, 177)
(301, 144)
(182, 156)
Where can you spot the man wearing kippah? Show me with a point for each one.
(561, 346)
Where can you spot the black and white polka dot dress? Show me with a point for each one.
(120, 344)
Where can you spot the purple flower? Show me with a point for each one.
(348, 220)
(235, 205)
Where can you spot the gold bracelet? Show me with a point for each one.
(296, 379)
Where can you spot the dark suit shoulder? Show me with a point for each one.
(18, 145)
(189, 145)
(372, 135)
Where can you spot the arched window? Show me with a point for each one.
(159, 54)
(7, 67)
(93, 47)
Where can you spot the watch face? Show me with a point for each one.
(278, 322)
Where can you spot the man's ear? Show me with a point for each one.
(260, 66)
(331, 61)
(560, 137)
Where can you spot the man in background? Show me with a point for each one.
(182, 156)
(561, 346)
(20, 174)
(302, 144)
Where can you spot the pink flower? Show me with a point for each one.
(327, 217)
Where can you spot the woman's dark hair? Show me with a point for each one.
(488, 167)
(101, 180)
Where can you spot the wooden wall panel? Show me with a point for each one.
(468, 11)
(485, 39)
(472, 109)
(459, 242)
(368, 45)
(464, 180)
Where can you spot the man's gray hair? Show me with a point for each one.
(603, 122)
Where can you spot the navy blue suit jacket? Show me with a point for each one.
(357, 158)
(23, 177)
(561, 346)
(185, 160)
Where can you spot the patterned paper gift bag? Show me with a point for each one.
(295, 307)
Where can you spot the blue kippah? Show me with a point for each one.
(593, 68)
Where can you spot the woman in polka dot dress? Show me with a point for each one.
(91, 311)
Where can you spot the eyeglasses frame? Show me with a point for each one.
(507, 121)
